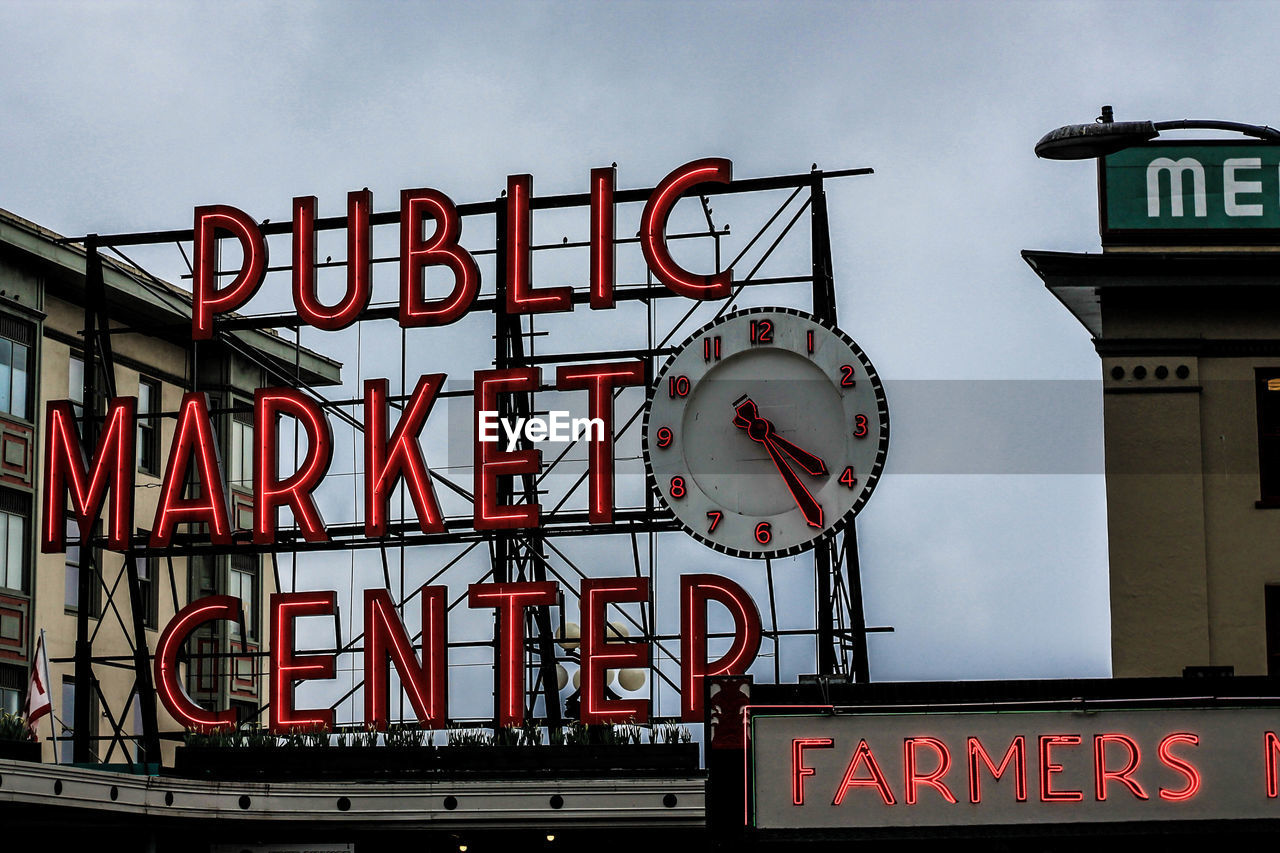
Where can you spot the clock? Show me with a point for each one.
(766, 431)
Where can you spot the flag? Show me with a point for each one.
(38, 701)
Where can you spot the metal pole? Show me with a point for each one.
(82, 716)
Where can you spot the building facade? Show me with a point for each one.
(1183, 306)
(43, 357)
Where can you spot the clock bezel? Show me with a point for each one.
(870, 479)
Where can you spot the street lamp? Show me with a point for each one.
(1106, 135)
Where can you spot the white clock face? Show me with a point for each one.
(766, 431)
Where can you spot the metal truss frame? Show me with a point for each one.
(515, 555)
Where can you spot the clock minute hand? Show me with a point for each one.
(810, 463)
(759, 429)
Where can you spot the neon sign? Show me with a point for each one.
(93, 481)
(950, 768)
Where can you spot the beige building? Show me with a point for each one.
(1190, 348)
(42, 358)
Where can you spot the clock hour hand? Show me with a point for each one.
(746, 413)
(761, 430)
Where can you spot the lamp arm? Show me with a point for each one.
(1257, 131)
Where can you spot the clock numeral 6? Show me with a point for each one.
(848, 479)
(677, 487)
(761, 331)
(859, 426)
(764, 533)
(665, 437)
(678, 386)
(846, 376)
(714, 517)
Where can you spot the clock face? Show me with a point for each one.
(766, 431)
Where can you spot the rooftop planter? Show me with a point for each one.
(15, 739)
(409, 754)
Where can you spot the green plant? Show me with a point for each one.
(401, 735)
(307, 737)
(13, 727)
(530, 734)
(671, 733)
(627, 733)
(464, 736)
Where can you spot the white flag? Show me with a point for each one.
(38, 701)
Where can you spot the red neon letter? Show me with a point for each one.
(294, 491)
(168, 685)
(1047, 768)
(386, 463)
(442, 249)
(798, 768)
(492, 463)
(1184, 767)
(876, 780)
(65, 466)
(603, 266)
(1017, 753)
(386, 641)
(1100, 772)
(510, 600)
(932, 779)
(522, 297)
(288, 667)
(695, 592)
(653, 230)
(207, 298)
(193, 437)
(599, 656)
(1272, 747)
(600, 380)
(359, 267)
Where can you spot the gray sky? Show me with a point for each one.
(989, 559)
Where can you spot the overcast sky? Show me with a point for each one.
(988, 555)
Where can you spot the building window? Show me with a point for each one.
(66, 722)
(243, 583)
(15, 512)
(241, 450)
(147, 568)
(1267, 382)
(76, 558)
(12, 687)
(148, 426)
(16, 341)
(1273, 628)
(75, 384)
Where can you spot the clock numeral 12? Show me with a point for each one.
(761, 331)
(714, 517)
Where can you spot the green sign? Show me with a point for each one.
(1227, 191)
